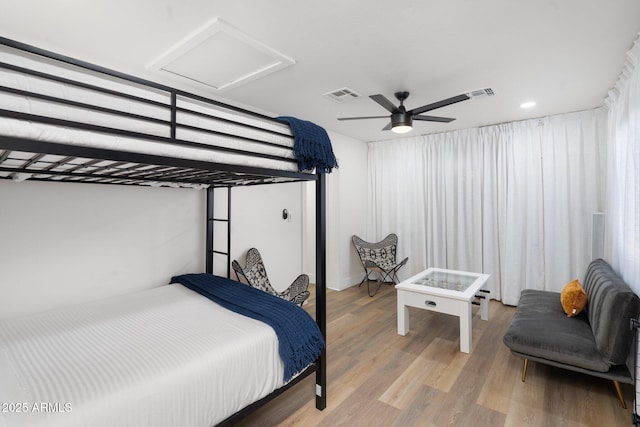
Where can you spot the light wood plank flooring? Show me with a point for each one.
(379, 378)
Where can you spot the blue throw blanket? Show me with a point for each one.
(299, 339)
(311, 146)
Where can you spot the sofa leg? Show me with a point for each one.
(525, 365)
(616, 384)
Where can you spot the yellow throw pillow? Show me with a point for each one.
(573, 298)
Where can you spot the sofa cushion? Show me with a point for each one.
(611, 305)
(573, 298)
(541, 328)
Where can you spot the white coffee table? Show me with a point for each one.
(444, 291)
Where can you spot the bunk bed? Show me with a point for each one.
(66, 120)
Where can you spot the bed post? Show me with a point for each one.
(174, 115)
(321, 287)
(229, 232)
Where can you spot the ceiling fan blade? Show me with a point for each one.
(360, 118)
(388, 127)
(388, 105)
(433, 119)
(439, 104)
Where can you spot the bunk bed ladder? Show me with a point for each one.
(211, 220)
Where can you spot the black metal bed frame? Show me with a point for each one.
(61, 162)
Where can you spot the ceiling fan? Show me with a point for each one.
(401, 119)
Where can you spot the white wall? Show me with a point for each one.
(353, 207)
(346, 212)
(64, 243)
(288, 247)
(257, 222)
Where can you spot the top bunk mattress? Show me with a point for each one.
(48, 101)
(161, 357)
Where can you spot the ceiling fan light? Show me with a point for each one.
(401, 128)
(401, 122)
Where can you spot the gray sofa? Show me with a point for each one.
(597, 342)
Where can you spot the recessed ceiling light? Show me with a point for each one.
(528, 104)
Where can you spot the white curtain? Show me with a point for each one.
(623, 181)
(513, 200)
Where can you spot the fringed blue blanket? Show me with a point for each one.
(300, 341)
(311, 146)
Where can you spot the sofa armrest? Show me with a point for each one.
(610, 305)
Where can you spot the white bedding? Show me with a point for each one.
(161, 357)
(49, 133)
(262, 129)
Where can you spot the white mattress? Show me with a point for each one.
(162, 357)
(280, 144)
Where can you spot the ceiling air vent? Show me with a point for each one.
(480, 93)
(341, 95)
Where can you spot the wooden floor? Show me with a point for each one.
(379, 378)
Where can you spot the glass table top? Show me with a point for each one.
(446, 280)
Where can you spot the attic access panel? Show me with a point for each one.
(219, 57)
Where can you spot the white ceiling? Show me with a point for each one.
(563, 54)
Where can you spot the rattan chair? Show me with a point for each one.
(379, 258)
(255, 274)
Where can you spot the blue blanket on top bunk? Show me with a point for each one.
(311, 146)
(299, 339)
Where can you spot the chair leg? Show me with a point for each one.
(364, 279)
(369, 288)
(525, 365)
(616, 384)
(384, 277)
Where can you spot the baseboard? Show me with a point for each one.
(344, 283)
